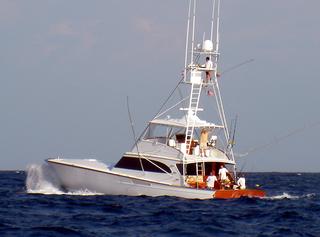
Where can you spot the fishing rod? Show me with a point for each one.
(233, 132)
(231, 141)
(236, 66)
(277, 140)
(210, 93)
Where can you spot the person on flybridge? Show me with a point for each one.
(208, 65)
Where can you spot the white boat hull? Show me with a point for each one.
(75, 177)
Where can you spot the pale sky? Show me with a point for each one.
(67, 67)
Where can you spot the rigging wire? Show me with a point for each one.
(165, 102)
(173, 106)
(133, 133)
(136, 143)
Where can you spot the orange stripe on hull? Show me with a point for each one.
(226, 194)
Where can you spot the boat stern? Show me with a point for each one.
(231, 194)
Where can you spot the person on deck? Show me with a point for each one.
(211, 179)
(223, 177)
(241, 182)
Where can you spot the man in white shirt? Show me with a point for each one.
(223, 173)
(211, 180)
(224, 180)
(241, 183)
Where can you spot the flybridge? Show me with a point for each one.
(182, 122)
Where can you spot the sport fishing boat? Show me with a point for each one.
(178, 154)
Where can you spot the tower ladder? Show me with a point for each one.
(192, 111)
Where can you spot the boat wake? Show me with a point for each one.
(288, 196)
(41, 180)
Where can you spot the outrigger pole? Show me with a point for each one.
(185, 69)
(218, 97)
(193, 28)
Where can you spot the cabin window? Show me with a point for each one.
(148, 166)
(180, 168)
(191, 168)
(134, 164)
(163, 133)
(129, 163)
(158, 131)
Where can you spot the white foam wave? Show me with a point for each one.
(288, 196)
(83, 193)
(41, 180)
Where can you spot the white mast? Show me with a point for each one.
(187, 43)
(193, 29)
(212, 19)
(218, 27)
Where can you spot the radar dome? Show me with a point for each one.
(207, 45)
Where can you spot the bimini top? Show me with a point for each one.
(182, 122)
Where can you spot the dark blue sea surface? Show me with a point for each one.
(291, 208)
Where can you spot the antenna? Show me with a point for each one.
(203, 37)
(212, 19)
(218, 27)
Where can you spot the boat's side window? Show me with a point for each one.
(154, 166)
(129, 163)
(191, 169)
(133, 163)
(180, 168)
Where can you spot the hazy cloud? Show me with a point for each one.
(63, 29)
(68, 37)
(9, 11)
(157, 34)
(143, 25)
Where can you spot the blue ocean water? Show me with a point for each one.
(291, 208)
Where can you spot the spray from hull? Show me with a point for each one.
(41, 179)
